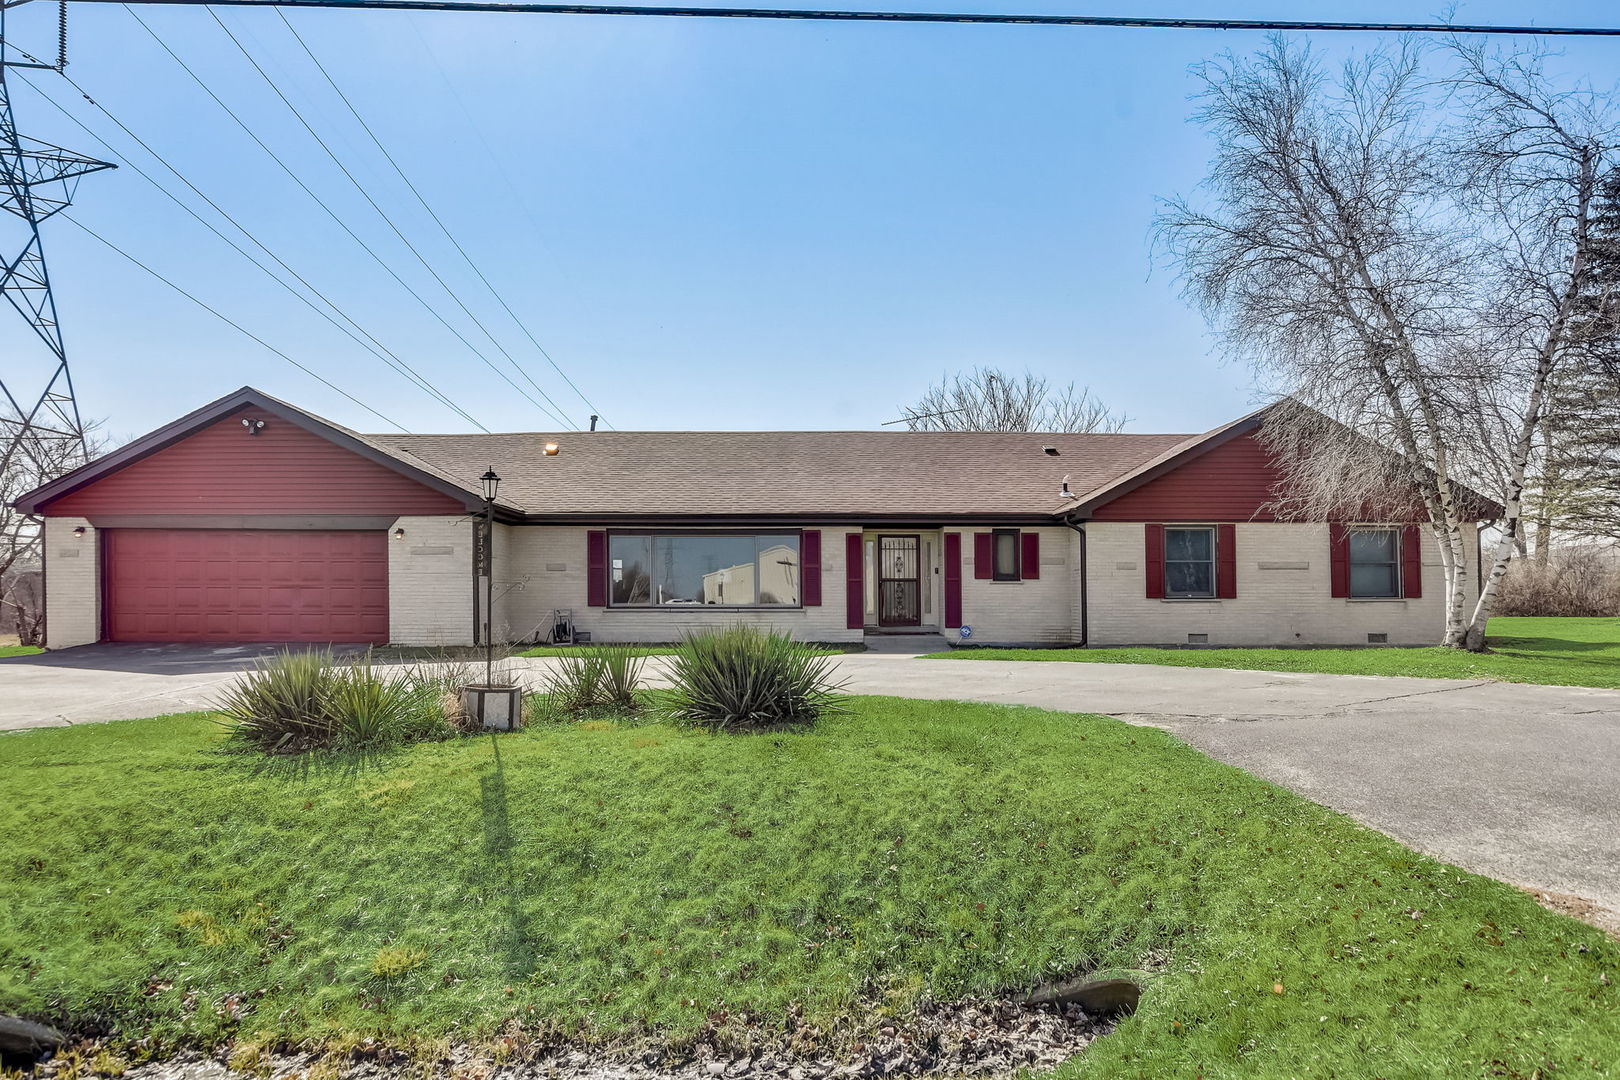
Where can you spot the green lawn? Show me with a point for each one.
(602, 880)
(19, 650)
(669, 650)
(565, 650)
(1560, 652)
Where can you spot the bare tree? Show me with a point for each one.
(989, 399)
(1401, 256)
(38, 461)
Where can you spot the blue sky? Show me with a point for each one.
(708, 224)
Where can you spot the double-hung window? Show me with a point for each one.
(704, 569)
(1005, 555)
(1189, 561)
(1375, 564)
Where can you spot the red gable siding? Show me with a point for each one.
(1230, 483)
(284, 469)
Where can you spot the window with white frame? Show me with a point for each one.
(1375, 563)
(1189, 561)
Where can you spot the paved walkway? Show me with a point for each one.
(1517, 782)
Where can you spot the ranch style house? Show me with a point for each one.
(252, 520)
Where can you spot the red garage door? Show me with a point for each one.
(229, 585)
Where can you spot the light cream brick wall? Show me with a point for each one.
(72, 583)
(430, 582)
(1044, 611)
(1284, 594)
(546, 568)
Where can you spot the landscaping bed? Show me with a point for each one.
(1553, 651)
(621, 889)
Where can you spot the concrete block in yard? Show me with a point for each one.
(496, 708)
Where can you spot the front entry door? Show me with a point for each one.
(899, 581)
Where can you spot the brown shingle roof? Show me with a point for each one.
(793, 473)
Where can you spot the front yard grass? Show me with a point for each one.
(1558, 652)
(600, 880)
(671, 650)
(10, 646)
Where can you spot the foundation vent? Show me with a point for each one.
(1198, 639)
(1378, 639)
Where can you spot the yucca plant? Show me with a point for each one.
(297, 701)
(745, 678)
(368, 708)
(280, 705)
(598, 676)
(621, 675)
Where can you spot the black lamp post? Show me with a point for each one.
(492, 484)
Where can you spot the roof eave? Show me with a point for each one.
(33, 501)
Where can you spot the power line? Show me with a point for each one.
(375, 347)
(973, 17)
(361, 188)
(436, 219)
(338, 220)
(235, 325)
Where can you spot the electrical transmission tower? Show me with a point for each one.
(37, 180)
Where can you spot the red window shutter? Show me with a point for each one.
(984, 557)
(953, 580)
(1412, 562)
(1226, 562)
(1155, 562)
(1339, 559)
(810, 563)
(854, 592)
(596, 568)
(1029, 559)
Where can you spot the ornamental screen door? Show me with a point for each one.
(899, 574)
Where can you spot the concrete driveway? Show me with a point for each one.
(1516, 782)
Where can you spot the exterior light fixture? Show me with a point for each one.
(492, 484)
(552, 449)
(78, 530)
(399, 534)
(253, 426)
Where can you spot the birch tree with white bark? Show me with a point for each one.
(1398, 247)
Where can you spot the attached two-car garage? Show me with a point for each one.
(248, 520)
(231, 585)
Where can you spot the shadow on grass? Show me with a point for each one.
(1547, 648)
(498, 849)
(308, 766)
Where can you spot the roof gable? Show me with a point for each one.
(1166, 463)
(207, 462)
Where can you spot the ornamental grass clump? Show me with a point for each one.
(306, 700)
(596, 678)
(744, 679)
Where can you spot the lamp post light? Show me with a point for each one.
(492, 484)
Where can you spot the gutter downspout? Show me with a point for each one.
(1085, 585)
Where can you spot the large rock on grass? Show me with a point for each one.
(27, 1039)
(1096, 997)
